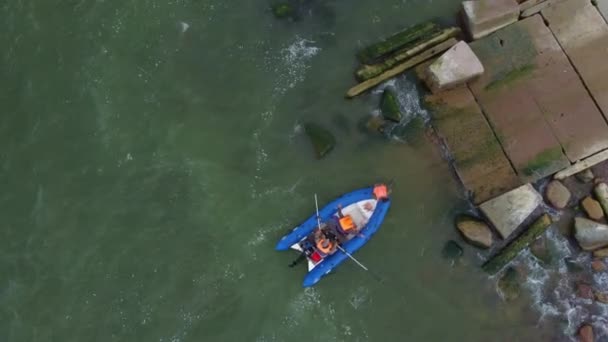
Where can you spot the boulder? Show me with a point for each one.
(557, 194)
(601, 193)
(456, 66)
(540, 250)
(601, 297)
(601, 253)
(509, 210)
(451, 250)
(390, 107)
(590, 234)
(592, 208)
(585, 333)
(585, 176)
(598, 265)
(474, 231)
(322, 140)
(508, 284)
(483, 17)
(585, 291)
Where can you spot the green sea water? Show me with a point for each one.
(151, 155)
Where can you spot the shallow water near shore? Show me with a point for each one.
(152, 155)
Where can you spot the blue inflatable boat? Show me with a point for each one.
(346, 224)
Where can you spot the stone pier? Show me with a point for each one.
(540, 106)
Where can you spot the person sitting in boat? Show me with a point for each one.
(325, 245)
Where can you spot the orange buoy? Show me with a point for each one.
(380, 192)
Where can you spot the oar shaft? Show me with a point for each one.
(352, 258)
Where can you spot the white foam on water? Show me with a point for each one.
(303, 303)
(183, 26)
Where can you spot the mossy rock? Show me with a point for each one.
(508, 284)
(283, 10)
(322, 140)
(451, 250)
(390, 106)
(412, 131)
(407, 37)
(498, 261)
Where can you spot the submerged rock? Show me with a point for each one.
(283, 10)
(474, 231)
(373, 124)
(456, 66)
(540, 249)
(557, 194)
(508, 284)
(592, 208)
(509, 210)
(590, 234)
(389, 106)
(451, 250)
(585, 176)
(322, 140)
(585, 334)
(572, 266)
(601, 193)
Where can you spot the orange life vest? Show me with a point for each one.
(325, 245)
(346, 223)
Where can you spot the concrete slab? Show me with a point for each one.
(583, 34)
(483, 17)
(509, 210)
(479, 160)
(602, 6)
(534, 100)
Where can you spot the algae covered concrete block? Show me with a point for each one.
(478, 158)
(483, 17)
(535, 101)
(509, 210)
(498, 261)
(456, 66)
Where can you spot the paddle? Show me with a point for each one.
(343, 250)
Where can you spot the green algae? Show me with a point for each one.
(410, 50)
(498, 261)
(507, 55)
(406, 38)
(322, 140)
(389, 106)
(511, 77)
(542, 161)
(283, 10)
